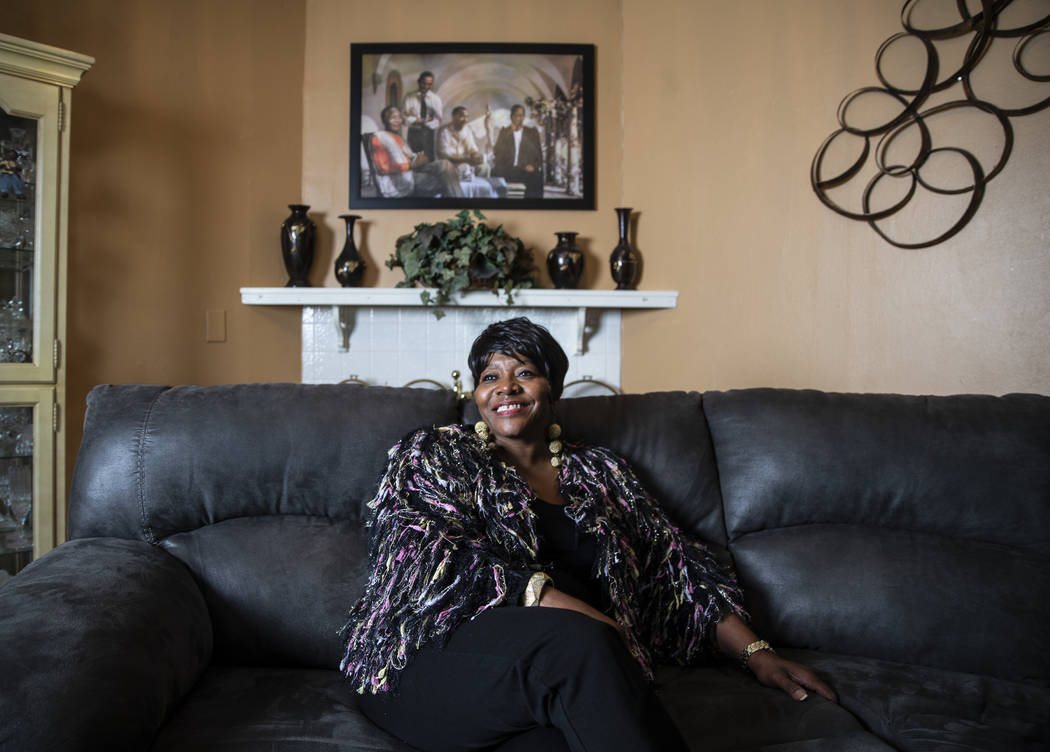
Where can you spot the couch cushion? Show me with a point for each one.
(278, 588)
(899, 595)
(99, 640)
(913, 529)
(728, 710)
(967, 466)
(292, 710)
(919, 709)
(157, 460)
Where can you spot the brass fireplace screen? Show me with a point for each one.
(457, 384)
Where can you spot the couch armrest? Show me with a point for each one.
(99, 640)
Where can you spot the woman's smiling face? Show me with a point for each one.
(514, 399)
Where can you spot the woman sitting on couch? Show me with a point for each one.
(522, 588)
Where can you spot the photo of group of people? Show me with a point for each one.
(436, 127)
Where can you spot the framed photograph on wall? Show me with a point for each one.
(471, 125)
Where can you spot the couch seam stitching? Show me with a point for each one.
(140, 469)
(718, 475)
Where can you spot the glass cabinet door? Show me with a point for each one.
(26, 468)
(36, 81)
(28, 159)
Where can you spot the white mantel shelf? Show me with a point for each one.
(344, 299)
(409, 297)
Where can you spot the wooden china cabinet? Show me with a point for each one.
(35, 86)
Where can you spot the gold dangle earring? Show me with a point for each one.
(481, 428)
(555, 447)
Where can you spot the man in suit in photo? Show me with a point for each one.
(422, 112)
(518, 155)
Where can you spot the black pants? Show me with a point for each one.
(527, 680)
(533, 180)
(421, 139)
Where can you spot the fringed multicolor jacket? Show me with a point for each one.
(453, 535)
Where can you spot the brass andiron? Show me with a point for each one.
(457, 385)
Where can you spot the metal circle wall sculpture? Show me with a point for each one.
(981, 28)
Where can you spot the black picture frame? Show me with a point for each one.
(553, 82)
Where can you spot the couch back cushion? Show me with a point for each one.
(914, 529)
(155, 461)
(664, 437)
(278, 587)
(259, 489)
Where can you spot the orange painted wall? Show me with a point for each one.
(778, 290)
(186, 149)
(201, 121)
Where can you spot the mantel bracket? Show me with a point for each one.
(345, 318)
(581, 330)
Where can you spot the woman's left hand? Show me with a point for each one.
(794, 678)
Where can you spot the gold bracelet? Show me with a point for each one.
(753, 648)
(534, 589)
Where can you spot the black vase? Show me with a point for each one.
(565, 262)
(623, 262)
(350, 267)
(298, 234)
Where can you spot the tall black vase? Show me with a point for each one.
(623, 262)
(298, 234)
(565, 262)
(350, 267)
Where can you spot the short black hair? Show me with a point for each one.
(424, 74)
(521, 338)
(517, 107)
(385, 114)
(458, 108)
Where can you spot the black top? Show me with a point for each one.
(568, 554)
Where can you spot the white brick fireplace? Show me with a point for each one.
(387, 337)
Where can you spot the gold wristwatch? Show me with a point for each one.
(534, 588)
(753, 648)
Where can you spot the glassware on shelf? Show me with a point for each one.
(11, 423)
(26, 230)
(16, 332)
(27, 165)
(10, 227)
(16, 325)
(6, 330)
(20, 503)
(24, 443)
(17, 137)
(8, 523)
(16, 433)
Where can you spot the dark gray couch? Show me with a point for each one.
(898, 544)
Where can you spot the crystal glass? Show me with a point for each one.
(8, 523)
(20, 503)
(17, 236)
(16, 479)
